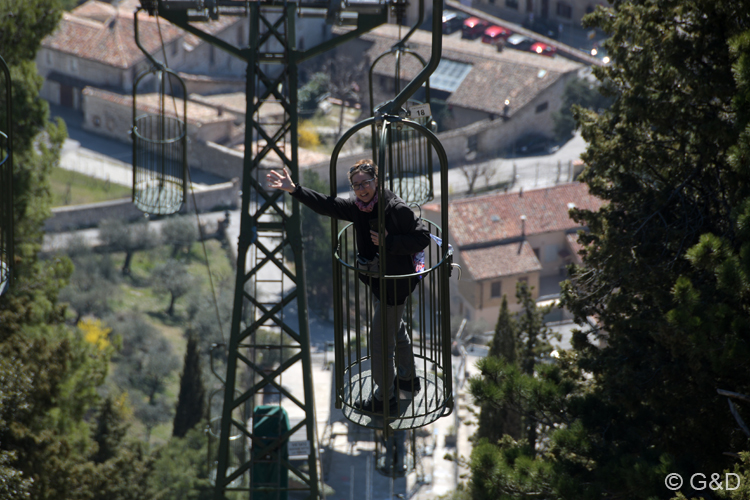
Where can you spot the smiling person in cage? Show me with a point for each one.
(405, 236)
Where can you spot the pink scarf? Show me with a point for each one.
(369, 206)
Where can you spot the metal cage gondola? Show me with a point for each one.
(159, 140)
(426, 311)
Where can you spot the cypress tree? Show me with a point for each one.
(110, 430)
(191, 402)
(496, 420)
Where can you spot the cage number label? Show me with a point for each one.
(420, 111)
(298, 448)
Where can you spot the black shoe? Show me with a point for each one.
(374, 405)
(409, 384)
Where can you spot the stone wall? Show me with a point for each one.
(216, 159)
(217, 197)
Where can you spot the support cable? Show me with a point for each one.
(192, 194)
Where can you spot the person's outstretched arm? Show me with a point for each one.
(330, 206)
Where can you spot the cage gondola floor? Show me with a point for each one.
(425, 407)
(158, 198)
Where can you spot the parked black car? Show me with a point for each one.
(453, 21)
(519, 42)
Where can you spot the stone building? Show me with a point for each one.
(94, 46)
(503, 238)
(489, 98)
(111, 114)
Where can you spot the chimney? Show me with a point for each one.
(523, 226)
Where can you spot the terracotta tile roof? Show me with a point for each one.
(497, 217)
(111, 42)
(494, 77)
(500, 260)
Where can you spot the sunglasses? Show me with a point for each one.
(362, 185)
(366, 167)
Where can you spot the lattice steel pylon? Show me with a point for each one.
(253, 453)
(268, 290)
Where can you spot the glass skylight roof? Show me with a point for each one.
(449, 75)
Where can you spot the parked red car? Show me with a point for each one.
(543, 49)
(474, 28)
(494, 34)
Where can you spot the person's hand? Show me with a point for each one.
(375, 236)
(279, 181)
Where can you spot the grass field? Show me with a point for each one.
(72, 188)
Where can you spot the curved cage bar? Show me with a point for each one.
(6, 183)
(407, 161)
(425, 314)
(398, 52)
(160, 144)
(410, 165)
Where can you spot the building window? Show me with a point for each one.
(542, 107)
(73, 64)
(564, 10)
(524, 280)
(496, 289)
(513, 4)
(550, 253)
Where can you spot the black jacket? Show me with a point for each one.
(407, 235)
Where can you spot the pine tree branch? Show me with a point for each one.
(733, 408)
(735, 395)
(738, 418)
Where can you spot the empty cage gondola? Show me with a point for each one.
(159, 137)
